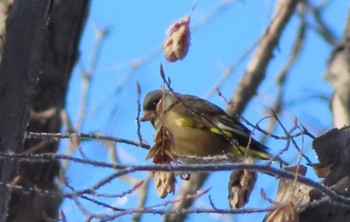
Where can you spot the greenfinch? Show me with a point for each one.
(200, 128)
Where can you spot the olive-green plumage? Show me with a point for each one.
(200, 128)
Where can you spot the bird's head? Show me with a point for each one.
(157, 102)
(150, 105)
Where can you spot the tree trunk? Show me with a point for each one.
(39, 53)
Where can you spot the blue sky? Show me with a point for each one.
(136, 31)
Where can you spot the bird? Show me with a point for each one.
(200, 128)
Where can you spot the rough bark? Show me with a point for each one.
(39, 54)
(17, 83)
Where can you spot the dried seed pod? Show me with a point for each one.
(161, 154)
(178, 41)
(240, 187)
(164, 182)
(161, 150)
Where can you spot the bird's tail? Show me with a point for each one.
(260, 152)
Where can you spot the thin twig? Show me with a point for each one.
(84, 136)
(138, 89)
(291, 138)
(333, 197)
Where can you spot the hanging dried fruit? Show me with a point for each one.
(178, 41)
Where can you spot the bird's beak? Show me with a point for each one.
(148, 116)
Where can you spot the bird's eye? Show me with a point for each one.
(153, 105)
(151, 101)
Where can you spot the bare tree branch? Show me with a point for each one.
(255, 71)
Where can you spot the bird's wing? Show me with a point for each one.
(214, 116)
(216, 120)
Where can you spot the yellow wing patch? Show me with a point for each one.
(189, 123)
(225, 132)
